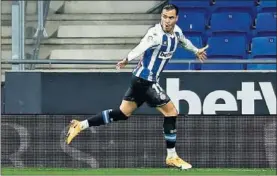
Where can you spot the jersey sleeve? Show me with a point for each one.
(150, 40)
(186, 43)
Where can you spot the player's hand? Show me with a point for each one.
(121, 64)
(201, 54)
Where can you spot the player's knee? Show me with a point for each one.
(174, 112)
(125, 111)
(171, 113)
(117, 114)
(127, 108)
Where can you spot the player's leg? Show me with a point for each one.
(170, 133)
(110, 115)
(169, 126)
(131, 101)
(156, 97)
(105, 117)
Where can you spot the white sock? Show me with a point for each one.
(84, 124)
(171, 153)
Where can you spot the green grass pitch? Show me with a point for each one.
(136, 171)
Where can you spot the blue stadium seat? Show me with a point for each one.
(266, 24)
(226, 47)
(182, 54)
(263, 48)
(267, 6)
(202, 6)
(192, 22)
(235, 6)
(231, 23)
(192, 4)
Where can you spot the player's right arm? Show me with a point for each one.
(150, 40)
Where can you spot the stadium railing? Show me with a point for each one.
(43, 8)
(19, 18)
(77, 61)
(110, 64)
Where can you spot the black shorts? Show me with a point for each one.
(141, 91)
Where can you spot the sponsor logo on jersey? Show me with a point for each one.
(165, 55)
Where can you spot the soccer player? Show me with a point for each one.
(157, 47)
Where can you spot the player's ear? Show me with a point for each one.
(177, 17)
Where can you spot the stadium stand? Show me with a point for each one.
(226, 23)
(109, 29)
(71, 25)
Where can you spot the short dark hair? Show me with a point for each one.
(171, 7)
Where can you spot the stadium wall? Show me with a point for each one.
(204, 141)
(194, 93)
(30, 138)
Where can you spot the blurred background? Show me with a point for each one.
(58, 62)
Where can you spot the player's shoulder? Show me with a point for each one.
(154, 30)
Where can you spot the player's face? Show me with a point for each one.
(169, 19)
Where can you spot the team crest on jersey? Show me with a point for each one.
(150, 38)
(162, 96)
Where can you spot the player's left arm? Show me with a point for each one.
(199, 52)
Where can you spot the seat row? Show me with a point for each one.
(229, 47)
(193, 23)
(210, 6)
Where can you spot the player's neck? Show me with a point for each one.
(170, 32)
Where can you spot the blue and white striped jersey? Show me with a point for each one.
(157, 48)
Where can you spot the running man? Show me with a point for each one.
(157, 47)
